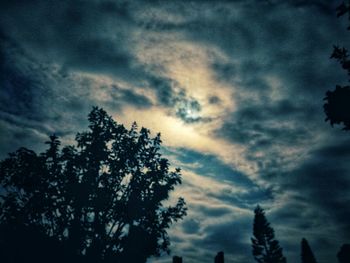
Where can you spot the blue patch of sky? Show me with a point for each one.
(209, 165)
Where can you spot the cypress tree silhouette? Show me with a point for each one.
(265, 248)
(306, 253)
(99, 201)
(344, 254)
(219, 258)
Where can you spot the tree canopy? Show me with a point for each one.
(337, 102)
(266, 248)
(97, 201)
(337, 106)
(307, 256)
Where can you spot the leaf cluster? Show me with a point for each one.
(102, 197)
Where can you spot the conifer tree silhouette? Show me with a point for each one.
(99, 201)
(307, 256)
(266, 248)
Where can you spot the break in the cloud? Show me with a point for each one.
(235, 88)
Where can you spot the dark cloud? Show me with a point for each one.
(37, 98)
(262, 41)
(269, 127)
(191, 226)
(324, 180)
(18, 85)
(128, 97)
(189, 109)
(214, 100)
(84, 36)
(166, 90)
(229, 237)
(215, 212)
(246, 200)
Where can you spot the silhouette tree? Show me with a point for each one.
(307, 256)
(98, 201)
(219, 258)
(265, 248)
(344, 254)
(337, 105)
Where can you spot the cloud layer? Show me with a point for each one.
(235, 88)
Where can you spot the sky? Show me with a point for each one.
(235, 87)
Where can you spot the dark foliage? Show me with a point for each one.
(219, 258)
(337, 106)
(307, 256)
(99, 201)
(343, 9)
(177, 259)
(344, 254)
(266, 248)
(341, 54)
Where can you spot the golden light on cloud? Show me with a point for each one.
(175, 133)
(189, 65)
(193, 73)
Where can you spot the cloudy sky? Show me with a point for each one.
(234, 87)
